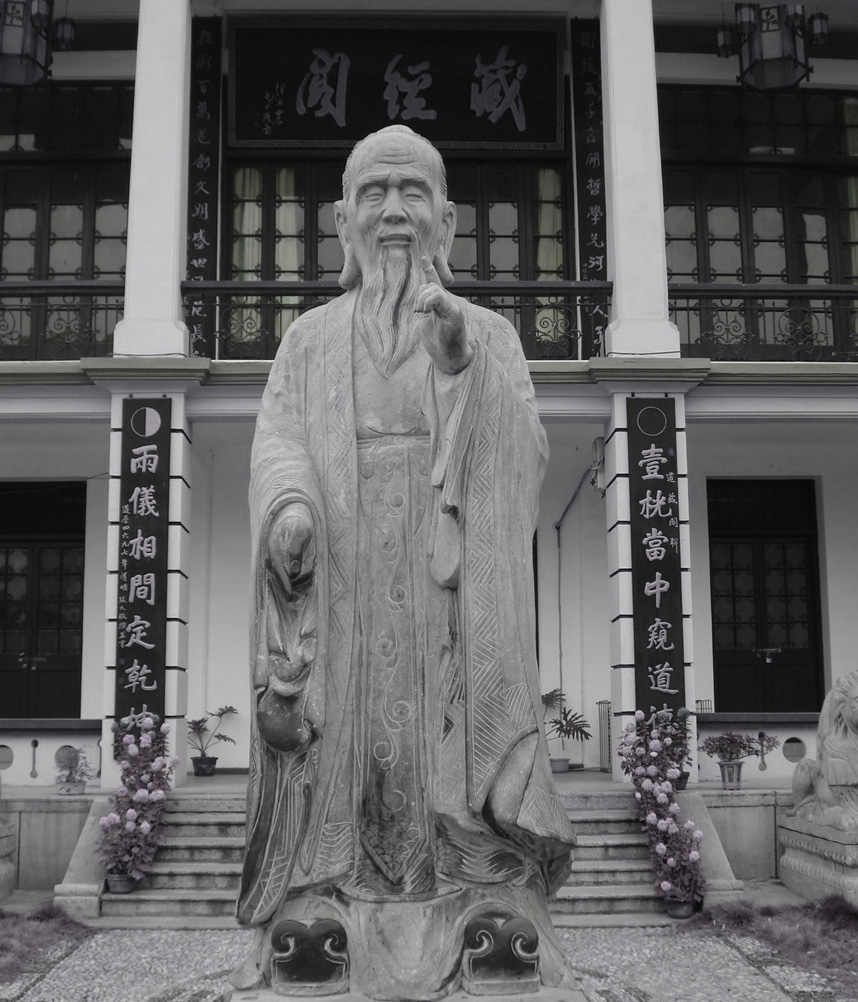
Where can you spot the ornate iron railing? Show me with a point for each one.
(58, 320)
(767, 323)
(235, 320)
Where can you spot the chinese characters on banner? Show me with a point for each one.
(203, 158)
(590, 165)
(141, 618)
(656, 564)
(461, 83)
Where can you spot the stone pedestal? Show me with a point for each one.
(8, 840)
(818, 861)
(543, 995)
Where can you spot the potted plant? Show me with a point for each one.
(131, 832)
(674, 728)
(73, 770)
(652, 753)
(731, 749)
(201, 737)
(567, 726)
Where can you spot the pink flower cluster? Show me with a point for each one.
(653, 750)
(131, 832)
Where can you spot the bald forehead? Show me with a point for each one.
(412, 157)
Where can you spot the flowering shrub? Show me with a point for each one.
(732, 747)
(130, 833)
(653, 750)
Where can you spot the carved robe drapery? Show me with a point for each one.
(468, 696)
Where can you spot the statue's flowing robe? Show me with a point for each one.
(310, 817)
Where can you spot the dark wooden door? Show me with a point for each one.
(41, 617)
(765, 595)
(765, 624)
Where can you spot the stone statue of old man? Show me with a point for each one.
(401, 811)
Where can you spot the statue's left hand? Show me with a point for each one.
(441, 324)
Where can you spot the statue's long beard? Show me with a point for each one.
(384, 311)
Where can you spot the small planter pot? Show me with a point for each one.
(559, 765)
(731, 774)
(71, 789)
(679, 909)
(119, 883)
(204, 765)
(682, 782)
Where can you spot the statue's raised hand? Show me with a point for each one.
(292, 548)
(441, 323)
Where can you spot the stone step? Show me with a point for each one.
(219, 849)
(588, 899)
(157, 903)
(609, 920)
(630, 845)
(179, 803)
(622, 799)
(610, 821)
(609, 871)
(190, 875)
(193, 825)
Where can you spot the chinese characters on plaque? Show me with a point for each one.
(656, 563)
(203, 160)
(141, 619)
(590, 164)
(461, 83)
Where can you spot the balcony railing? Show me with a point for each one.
(767, 323)
(58, 320)
(242, 320)
(555, 320)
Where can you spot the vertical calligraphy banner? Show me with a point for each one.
(141, 620)
(656, 563)
(203, 161)
(590, 168)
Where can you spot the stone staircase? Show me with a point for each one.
(197, 867)
(611, 880)
(195, 876)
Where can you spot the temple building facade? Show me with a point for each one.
(662, 197)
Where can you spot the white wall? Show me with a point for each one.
(584, 674)
(218, 672)
(828, 452)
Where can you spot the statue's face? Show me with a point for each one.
(394, 201)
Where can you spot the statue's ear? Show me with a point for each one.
(351, 272)
(445, 244)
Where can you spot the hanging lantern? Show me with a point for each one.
(794, 15)
(64, 33)
(25, 50)
(774, 43)
(724, 42)
(746, 17)
(817, 25)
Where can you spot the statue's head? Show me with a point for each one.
(394, 196)
(844, 704)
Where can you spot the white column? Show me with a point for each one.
(621, 611)
(155, 265)
(635, 209)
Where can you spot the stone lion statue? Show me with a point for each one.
(825, 790)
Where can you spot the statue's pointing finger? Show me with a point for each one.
(441, 323)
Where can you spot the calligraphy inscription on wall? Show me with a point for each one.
(656, 563)
(203, 165)
(461, 83)
(141, 620)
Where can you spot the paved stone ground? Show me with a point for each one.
(614, 965)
